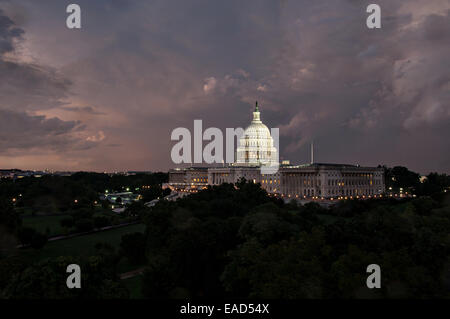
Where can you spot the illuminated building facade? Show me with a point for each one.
(256, 146)
(314, 180)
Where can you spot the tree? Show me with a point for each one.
(47, 280)
(109, 255)
(133, 247)
(67, 222)
(400, 176)
(25, 235)
(9, 222)
(38, 241)
(136, 209)
(285, 270)
(266, 225)
(434, 184)
(235, 240)
(158, 280)
(29, 236)
(101, 221)
(84, 225)
(8, 242)
(83, 213)
(8, 216)
(152, 193)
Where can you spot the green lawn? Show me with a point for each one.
(42, 223)
(52, 222)
(83, 245)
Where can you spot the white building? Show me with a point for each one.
(315, 180)
(256, 146)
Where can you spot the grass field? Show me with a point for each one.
(42, 223)
(83, 246)
(52, 222)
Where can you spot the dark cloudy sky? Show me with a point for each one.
(107, 97)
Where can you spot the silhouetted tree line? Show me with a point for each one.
(400, 177)
(23, 278)
(74, 195)
(46, 279)
(236, 241)
(56, 194)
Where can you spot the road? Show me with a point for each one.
(132, 273)
(61, 237)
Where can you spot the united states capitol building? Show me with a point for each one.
(256, 150)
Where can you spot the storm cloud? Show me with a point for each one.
(25, 90)
(138, 69)
(22, 131)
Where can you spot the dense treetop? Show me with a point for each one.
(236, 241)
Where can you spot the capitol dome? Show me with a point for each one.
(256, 146)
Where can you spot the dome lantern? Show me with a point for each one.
(256, 114)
